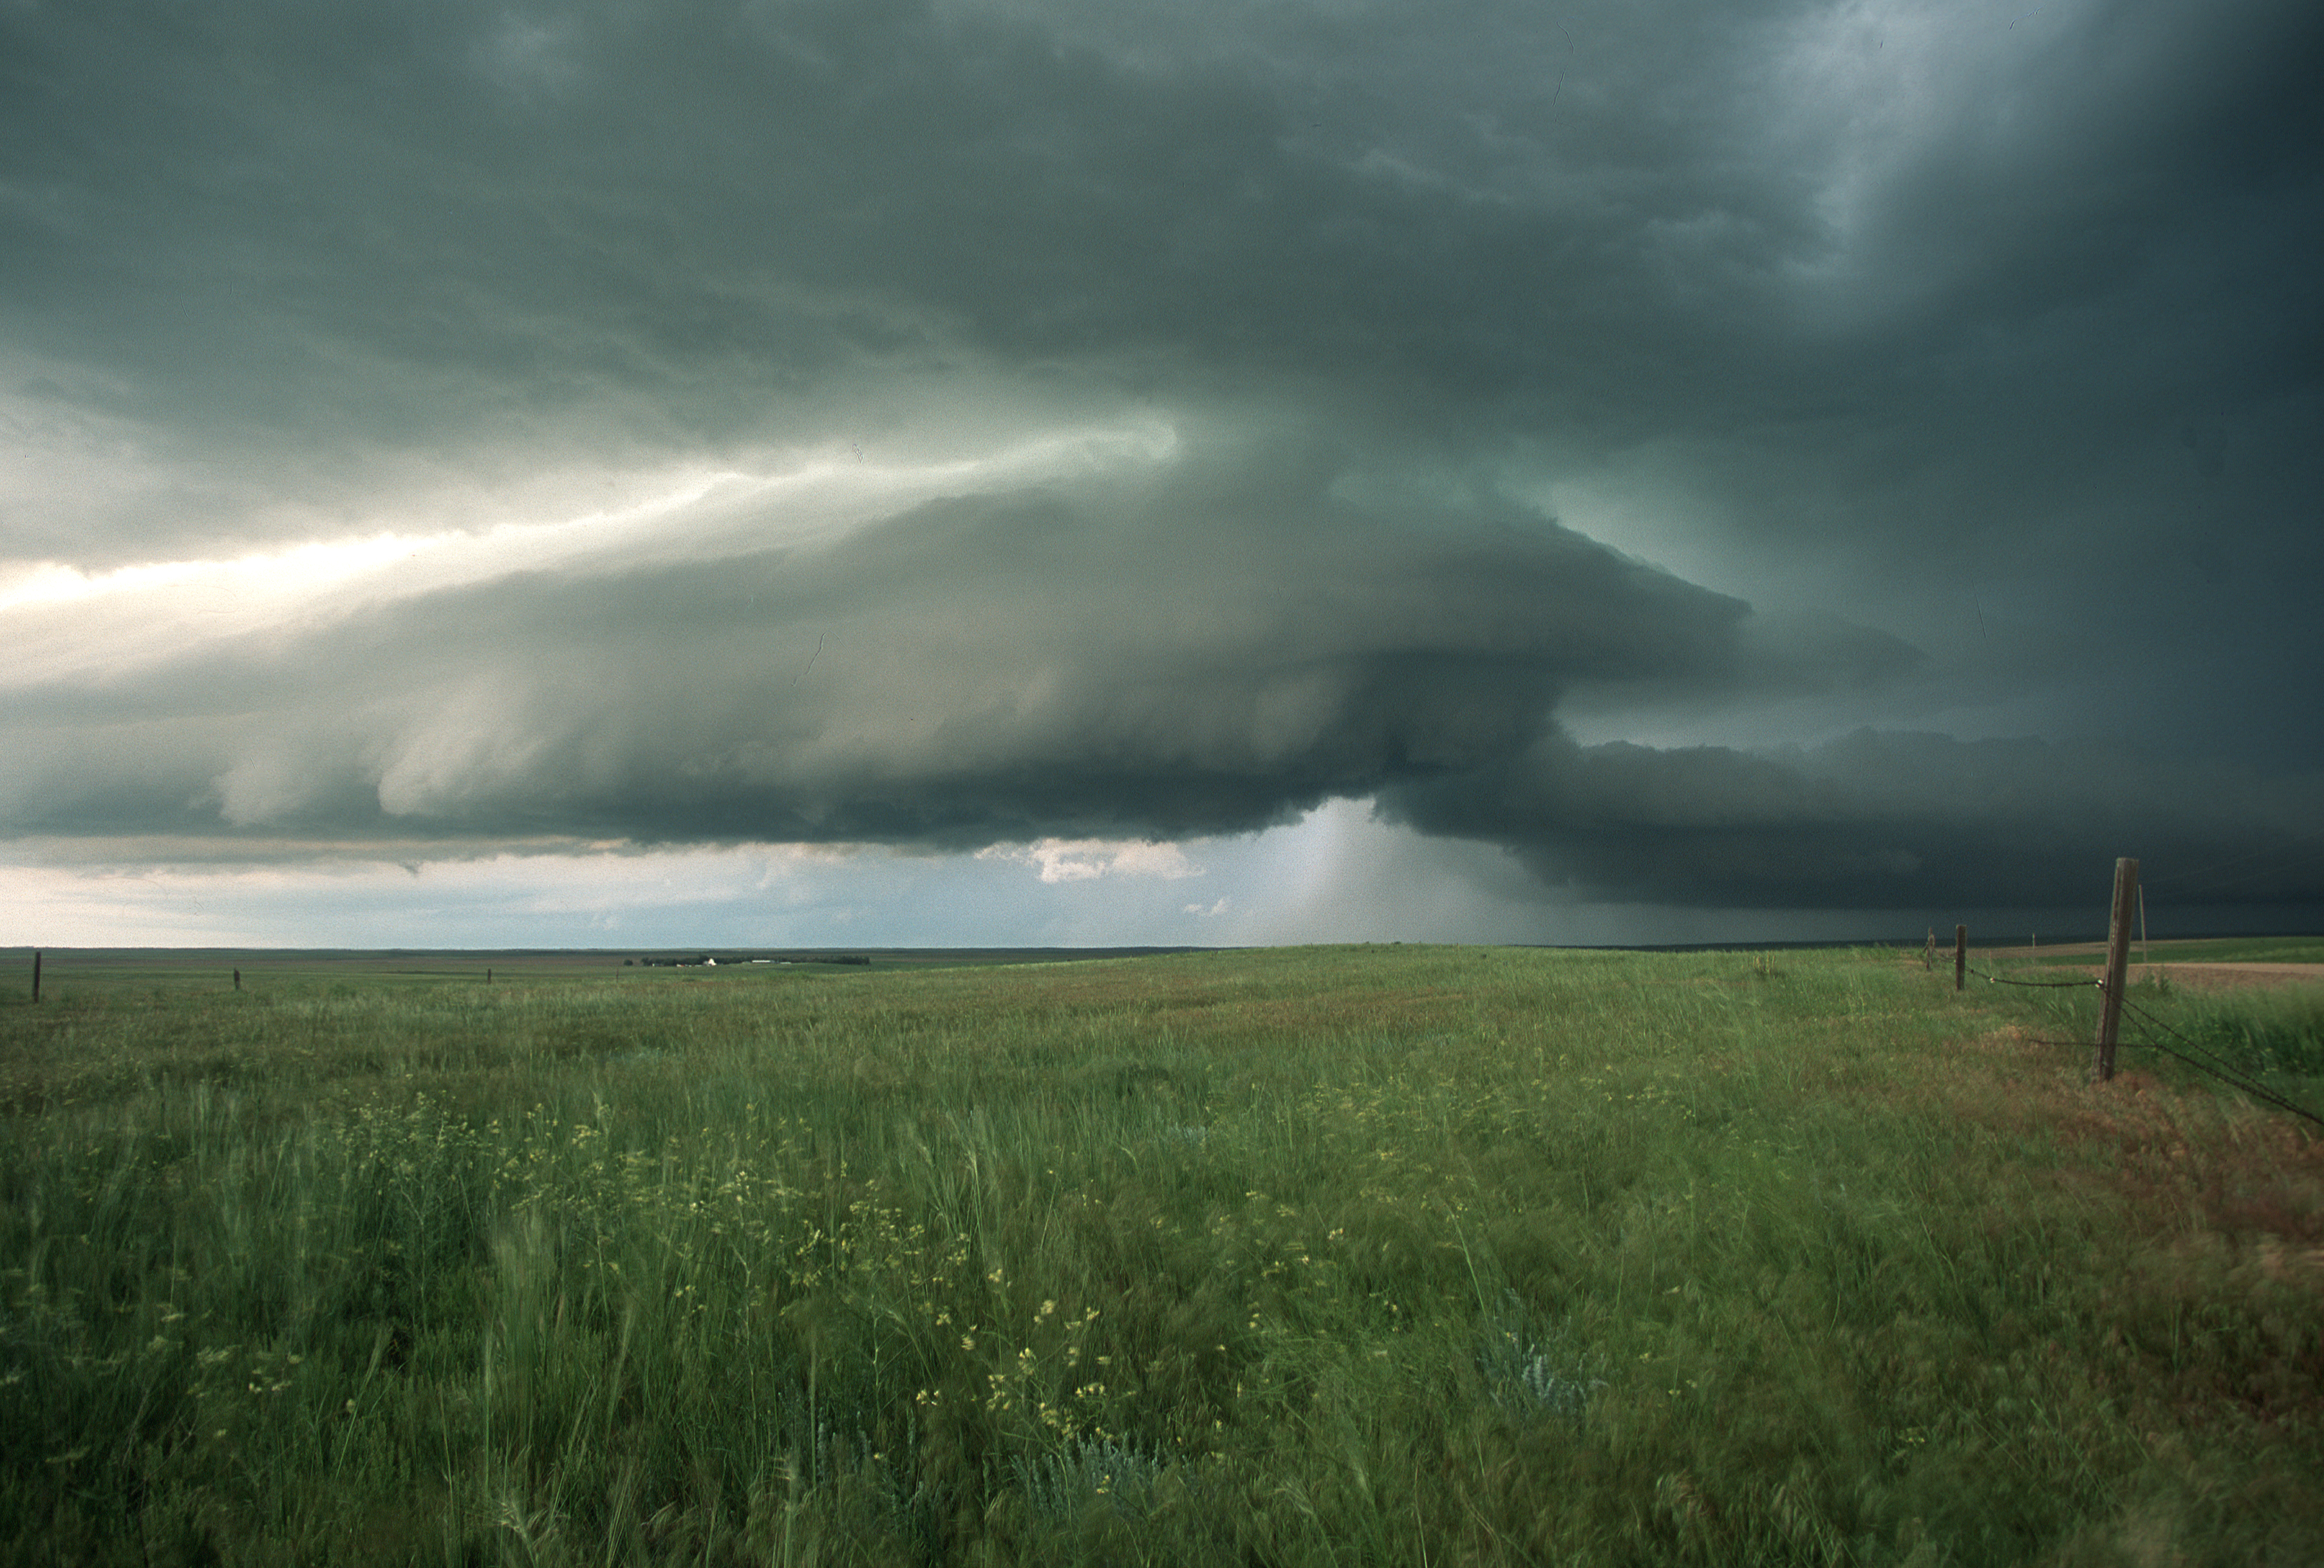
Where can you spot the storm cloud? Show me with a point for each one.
(1190, 648)
(1784, 455)
(1878, 820)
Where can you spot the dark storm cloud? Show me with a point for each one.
(1205, 651)
(381, 225)
(1878, 820)
(397, 221)
(1977, 347)
(1209, 646)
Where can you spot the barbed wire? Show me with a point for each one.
(2221, 1071)
(2039, 984)
(2212, 1062)
(2216, 1067)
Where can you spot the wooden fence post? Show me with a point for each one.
(36, 975)
(1929, 953)
(2125, 907)
(1961, 958)
(237, 980)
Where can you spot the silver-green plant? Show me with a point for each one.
(1532, 1371)
(1066, 1482)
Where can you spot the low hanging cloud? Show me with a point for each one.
(1060, 860)
(1181, 639)
(440, 430)
(1882, 820)
(1210, 643)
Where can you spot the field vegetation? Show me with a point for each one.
(1409, 1255)
(2197, 950)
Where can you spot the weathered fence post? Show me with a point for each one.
(237, 980)
(36, 975)
(1961, 958)
(1929, 953)
(2125, 905)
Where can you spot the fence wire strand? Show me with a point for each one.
(2213, 1066)
(2221, 1072)
(2048, 984)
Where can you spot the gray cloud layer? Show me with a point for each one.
(1968, 358)
(1882, 820)
(1205, 652)
(388, 223)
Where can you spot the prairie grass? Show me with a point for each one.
(1310, 1256)
(2273, 1034)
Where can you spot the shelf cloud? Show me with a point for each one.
(1185, 647)
(1796, 456)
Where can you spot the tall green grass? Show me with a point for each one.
(2273, 1034)
(2276, 1034)
(2200, 950)
(1329, 1255)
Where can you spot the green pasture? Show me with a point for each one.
(1411, 1255)
(127, 974)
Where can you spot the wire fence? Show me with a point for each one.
(2212, 1063)
(2040, 984)
(2214, 1066)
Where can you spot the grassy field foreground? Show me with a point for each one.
(1423, 1256)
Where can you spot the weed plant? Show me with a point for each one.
(1316, 1256)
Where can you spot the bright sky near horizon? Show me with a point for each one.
(990, 472)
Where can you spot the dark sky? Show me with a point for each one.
(1834, 462)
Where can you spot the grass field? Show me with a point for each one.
(1409, 1255)
(2202, 950)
